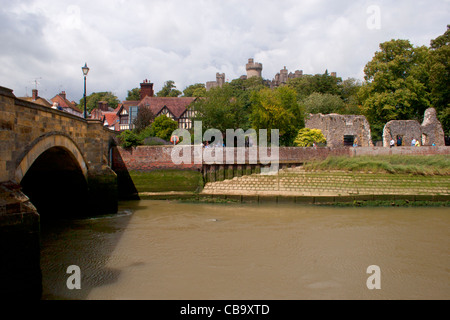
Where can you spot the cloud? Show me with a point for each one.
(124, 42)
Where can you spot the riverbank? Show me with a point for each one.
(334, 183)
(357, 201)
(295, 185)
(377, 180)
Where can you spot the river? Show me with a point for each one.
(153, 250)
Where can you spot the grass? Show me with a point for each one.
(167, 180)
(395, 164)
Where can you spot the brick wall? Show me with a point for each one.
(382, 151)
(148, 158)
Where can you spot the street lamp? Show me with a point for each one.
(85, 72)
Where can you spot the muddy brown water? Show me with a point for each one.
(155, 250)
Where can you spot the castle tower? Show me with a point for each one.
(254, 69)
(284, 75)
(220, 79)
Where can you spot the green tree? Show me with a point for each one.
(129, 139)
(306, 137)
(349, 93)
(321, 83)
(277, 109)
(143, 119)
(396, 85)
(323, 103)
(168, 90)
(221, 110)
(93, 99)
(195, 90)
(163, 127)
(440, 78)
(134, 95)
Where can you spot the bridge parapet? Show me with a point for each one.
(30, 133)
(23, 124)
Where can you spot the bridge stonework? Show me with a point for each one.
(27, 131)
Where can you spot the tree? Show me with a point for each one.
(134, 95)
(168, 90)
(277, 109)
(163, 127)
(129, 139)
(93, 99)
(195, 90)
(143, 119)
(321, 83)
(323, 103)
(221, 109)
(440, 78)
(349, 93)
(306, 137)
(396, 85)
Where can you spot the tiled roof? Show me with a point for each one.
(64, 103)
(39, 100)
(177, 106)
(110, 117)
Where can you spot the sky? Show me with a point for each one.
(44, 43)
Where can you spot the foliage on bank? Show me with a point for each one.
(308, 137)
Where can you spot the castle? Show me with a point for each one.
(254, 69)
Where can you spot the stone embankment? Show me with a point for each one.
(335, 186)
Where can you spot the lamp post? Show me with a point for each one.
(85, 72)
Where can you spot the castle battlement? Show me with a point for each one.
(254, 69)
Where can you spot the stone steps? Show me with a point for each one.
(299, 181)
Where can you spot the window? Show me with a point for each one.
(348, 140)
(124, 119)
(425, 140)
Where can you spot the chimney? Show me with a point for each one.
(35, 94)
(146, 89)
(103, 105)
(63, 95)
(334, 74)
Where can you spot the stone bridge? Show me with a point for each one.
(52, 163)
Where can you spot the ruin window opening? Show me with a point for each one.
(425, 140)
(349, 140)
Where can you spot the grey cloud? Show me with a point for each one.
(125, 42)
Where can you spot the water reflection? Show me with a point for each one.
(170, 250)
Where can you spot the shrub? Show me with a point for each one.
(307, 137)
(163, 127)
(129, 139)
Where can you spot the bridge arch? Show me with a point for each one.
(45, 143)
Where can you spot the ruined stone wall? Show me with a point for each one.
(335, 126)
(428, 133)
(407, 129)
